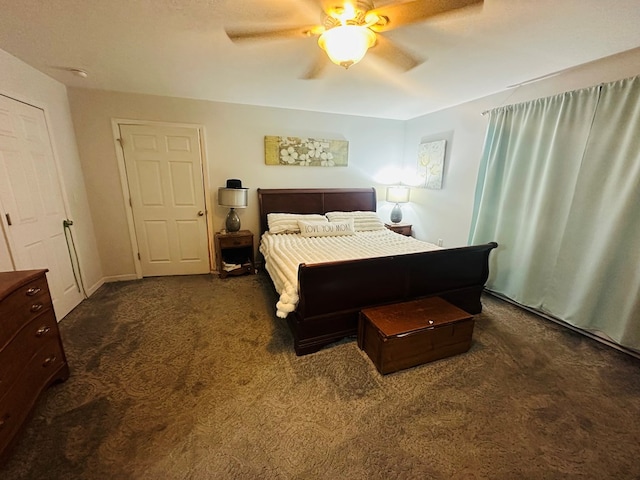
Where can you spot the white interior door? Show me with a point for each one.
(164, 173)
(31, 201)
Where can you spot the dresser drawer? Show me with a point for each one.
(41, 333)
(230, 241)
(22, 305)
(45, 367)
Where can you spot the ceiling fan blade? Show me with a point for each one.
(392, 53)
(320, 61)
(399, 14)
(294, 32)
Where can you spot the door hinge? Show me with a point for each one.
(130, 202)
(8, 218)
(120, 141)
(139, 257)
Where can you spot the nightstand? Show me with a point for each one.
(234, 253)
(401, 228)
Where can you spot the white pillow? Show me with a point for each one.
(362, 221)
(288, 222)
(325, 229)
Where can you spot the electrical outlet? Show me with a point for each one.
(440, 242)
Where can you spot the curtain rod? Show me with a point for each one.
(598, 86)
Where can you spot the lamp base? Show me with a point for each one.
(233, 221)
(396, 214)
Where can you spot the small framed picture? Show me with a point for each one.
(431, 164)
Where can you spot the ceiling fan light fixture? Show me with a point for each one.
(346, 45)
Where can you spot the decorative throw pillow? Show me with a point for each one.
(288, 222)
(362, 221)
(325, 229)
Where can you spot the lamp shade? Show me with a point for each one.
(398, 194)
(347, 44)
(233, 197)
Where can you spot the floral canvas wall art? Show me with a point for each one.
(431, 164)
(305, 152)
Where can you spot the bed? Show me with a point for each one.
(331, 294)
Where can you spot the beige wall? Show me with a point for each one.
(234, 136)
(234, 149)
(446, 214)
(22, 82)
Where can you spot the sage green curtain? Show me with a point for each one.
(559, 190)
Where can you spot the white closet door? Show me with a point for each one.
(31, 201)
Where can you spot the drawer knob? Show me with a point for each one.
(49, 360)
(36, 307)
(43, 330)
(33, 291)
(431, 322)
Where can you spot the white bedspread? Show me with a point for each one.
(284, 252)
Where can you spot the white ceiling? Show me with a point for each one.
(179, 48)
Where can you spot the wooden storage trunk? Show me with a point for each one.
(404, 335)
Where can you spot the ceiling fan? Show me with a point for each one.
(350, 27)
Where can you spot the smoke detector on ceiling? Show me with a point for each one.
(79, 72)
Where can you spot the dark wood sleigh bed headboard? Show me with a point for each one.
(313, 200)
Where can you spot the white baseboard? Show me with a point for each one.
(120, 278)
(93, 288)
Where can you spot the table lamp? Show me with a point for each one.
(397, 194)
(233, 196)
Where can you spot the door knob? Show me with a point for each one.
(200, 213)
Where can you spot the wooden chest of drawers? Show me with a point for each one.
(401, 228)
(234, 249)
(31, 353)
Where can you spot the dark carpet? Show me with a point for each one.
(195, 378)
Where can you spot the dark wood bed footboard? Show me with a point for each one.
(332, 294)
